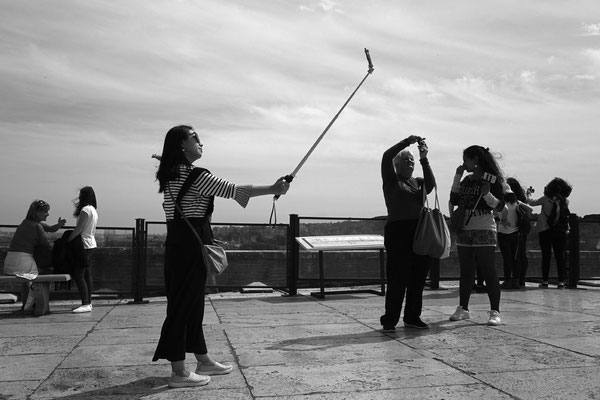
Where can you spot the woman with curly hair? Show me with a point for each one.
(552, 227)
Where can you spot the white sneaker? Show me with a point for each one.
(82, 309)
(217, 369)
(188, 381)
(459, 314)
(494, 318)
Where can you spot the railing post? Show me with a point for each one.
(293, 256)
(434, 273)
(139, 267)
(573, 251)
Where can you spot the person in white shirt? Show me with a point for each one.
(85, 229)
(508, 238)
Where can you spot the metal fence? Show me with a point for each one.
(129, 261)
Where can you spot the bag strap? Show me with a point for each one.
(195, 173)
(426, 200)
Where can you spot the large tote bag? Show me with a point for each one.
(432, 236)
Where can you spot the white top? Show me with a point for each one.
(508, 219)
(89, 229)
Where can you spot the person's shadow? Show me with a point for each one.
(330, 341)
(137, 389)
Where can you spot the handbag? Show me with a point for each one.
(432, 236)
(215, 258)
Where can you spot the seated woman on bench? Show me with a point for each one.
(29, 237)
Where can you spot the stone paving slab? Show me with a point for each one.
(125, 381)
(501, 357)
(285, 380)
(28, 366)
(323, 350)
(559, 383)
(446, 392)
(306, 348)
(450, 335)
(39, 344)
(75, 327)
(250, 320)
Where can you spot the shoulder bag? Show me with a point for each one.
(432, 236)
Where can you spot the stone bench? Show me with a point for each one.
(41, 289)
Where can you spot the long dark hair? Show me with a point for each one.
(558, 187)
(485, 160)
(87, 197)
(172, 156)
(517, 189)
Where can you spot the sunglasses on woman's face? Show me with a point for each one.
(195, 136)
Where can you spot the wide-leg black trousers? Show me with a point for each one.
(406, 273)
(185, 280)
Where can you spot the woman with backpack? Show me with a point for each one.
(552, 226)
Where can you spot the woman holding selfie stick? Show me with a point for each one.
(479, 193)
(184, 270)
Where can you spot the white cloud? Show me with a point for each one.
(324, 5)
(99, 84)
(593, 55)
(590, 29)
(585, 77)
(528, 76)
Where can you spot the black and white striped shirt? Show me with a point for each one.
(197, 199)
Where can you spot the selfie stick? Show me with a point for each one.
(291, 176)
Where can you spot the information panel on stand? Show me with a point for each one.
(341, 242)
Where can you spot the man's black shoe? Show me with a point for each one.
(417, 323)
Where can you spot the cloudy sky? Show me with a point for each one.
(89, 89)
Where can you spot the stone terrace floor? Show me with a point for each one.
(305, 348)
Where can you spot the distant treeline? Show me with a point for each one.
(260, 237)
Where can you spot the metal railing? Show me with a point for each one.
(137, 261)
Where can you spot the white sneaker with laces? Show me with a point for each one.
(83, 309)
(459, 314)
(494, 318)
(188, 381)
